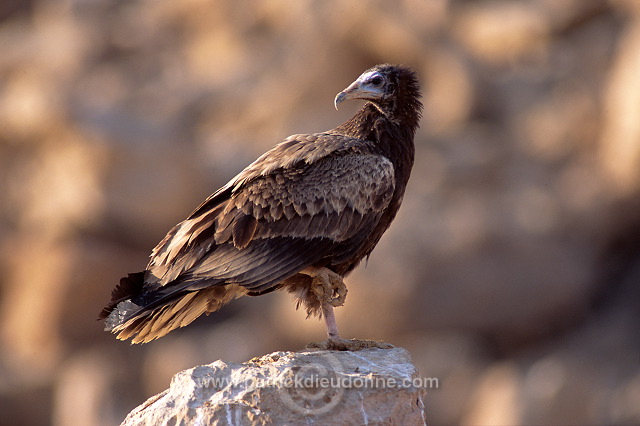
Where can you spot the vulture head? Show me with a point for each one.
(393, 90)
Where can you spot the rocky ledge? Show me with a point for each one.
(370, 386)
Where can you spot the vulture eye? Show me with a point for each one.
(376, 81)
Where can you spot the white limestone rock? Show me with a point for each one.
(370, 386)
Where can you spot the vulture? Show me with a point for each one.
(299, 218)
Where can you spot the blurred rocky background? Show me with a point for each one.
(511, 273)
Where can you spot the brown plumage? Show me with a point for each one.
(314, 205)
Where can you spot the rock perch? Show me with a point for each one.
(371, 386)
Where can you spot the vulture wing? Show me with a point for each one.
(282, 213)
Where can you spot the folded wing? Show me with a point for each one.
(283, 213)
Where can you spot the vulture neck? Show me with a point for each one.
(391, 129)
(402, 113)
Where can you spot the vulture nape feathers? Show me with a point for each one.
(300, 218)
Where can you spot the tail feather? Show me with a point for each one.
(143, 317)
(128, 288)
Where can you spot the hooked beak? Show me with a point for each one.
(340, 97)
(355, 91)
(349, 93)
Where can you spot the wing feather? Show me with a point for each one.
(281, 214)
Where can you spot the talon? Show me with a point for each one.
(340, 292)
(329, 287)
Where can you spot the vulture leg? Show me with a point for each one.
(331, 292)
(330, 321)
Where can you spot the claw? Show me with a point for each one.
(329, 287)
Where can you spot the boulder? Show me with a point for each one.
(370, 386)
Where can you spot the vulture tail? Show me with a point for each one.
(129, 287)
(148, 316)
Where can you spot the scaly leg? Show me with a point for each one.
(331, 292)
(330, 321)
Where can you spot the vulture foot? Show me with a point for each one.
(339, 344)
(329, 287)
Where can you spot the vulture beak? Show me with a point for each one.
(349, 93)
(356, 90)
(340, 97)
